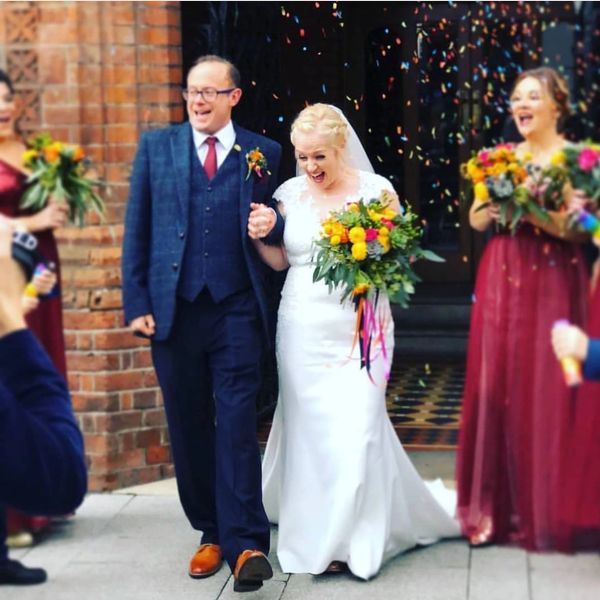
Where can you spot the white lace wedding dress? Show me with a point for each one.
(335, 477)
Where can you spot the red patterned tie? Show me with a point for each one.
(210, 162)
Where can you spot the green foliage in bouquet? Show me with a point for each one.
(59, 170)
(369, 247)
(581, 163)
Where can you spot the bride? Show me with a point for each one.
(335, 477)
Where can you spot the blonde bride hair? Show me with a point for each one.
(324, 120)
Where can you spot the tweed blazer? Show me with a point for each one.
(157, 221)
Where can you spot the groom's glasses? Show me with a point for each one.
(207, 94)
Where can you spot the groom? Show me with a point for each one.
(193, 284)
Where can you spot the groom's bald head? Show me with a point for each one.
(233, 72)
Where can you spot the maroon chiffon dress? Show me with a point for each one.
(517, 411)
(581, 465)
(46, 321)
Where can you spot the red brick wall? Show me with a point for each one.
(99, 73)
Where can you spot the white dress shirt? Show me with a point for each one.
(225, 141)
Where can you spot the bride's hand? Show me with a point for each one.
(261, 221)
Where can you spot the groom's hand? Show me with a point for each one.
(143, 325)
(261, 221)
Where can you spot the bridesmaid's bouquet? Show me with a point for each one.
(580, 164)
(498, 176)
(59, 170)
(368, 249)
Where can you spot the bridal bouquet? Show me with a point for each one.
(59, 170)
(499, 177)
(368, 249)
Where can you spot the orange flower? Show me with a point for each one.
(52, 152)
(360, 288)
(78, 154)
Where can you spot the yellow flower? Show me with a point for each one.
(334, 240)
(375, 216)
(558, 159)
(29, 156)
(384, 240)
(481, 192)
(384, 232)
(389, 214)
(359, 250)
(357, 234)
(474, 172)
(497, 169)
(327, 227)
(353, 208)
(337, 228)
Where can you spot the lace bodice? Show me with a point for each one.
(302, 215)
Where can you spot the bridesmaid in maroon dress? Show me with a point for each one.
(46, 321)
(517, 410)
(581, 467)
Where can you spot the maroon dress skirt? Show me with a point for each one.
(46, 321)
(517, 412)
(581, 465)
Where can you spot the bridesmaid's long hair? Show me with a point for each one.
(4, 78)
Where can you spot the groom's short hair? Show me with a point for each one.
(234, 74)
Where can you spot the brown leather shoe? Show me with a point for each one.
(251, 569)
(206, 562)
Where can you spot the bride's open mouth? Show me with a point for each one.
(318, 178)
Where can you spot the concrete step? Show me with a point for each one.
(431, 342)
(433, 316)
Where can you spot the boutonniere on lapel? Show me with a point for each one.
(257, 163)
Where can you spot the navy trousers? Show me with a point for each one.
(3, 534)
(209, 373)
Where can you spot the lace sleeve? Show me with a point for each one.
(288, 193)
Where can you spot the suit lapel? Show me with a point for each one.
(244, 140)
(181, 141)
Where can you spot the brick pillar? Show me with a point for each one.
(99, 73)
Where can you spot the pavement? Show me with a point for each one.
(135, 544)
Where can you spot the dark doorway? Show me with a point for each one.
(424, 84)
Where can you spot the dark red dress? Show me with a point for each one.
(517, 410)
(46, 321)
(581, 466)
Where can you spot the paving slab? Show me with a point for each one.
(126, 546)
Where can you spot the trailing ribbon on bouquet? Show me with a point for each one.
(369, 329)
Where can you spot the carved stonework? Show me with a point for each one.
(29, 120)
(22, 60)
(21, 22)
(23, 67)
